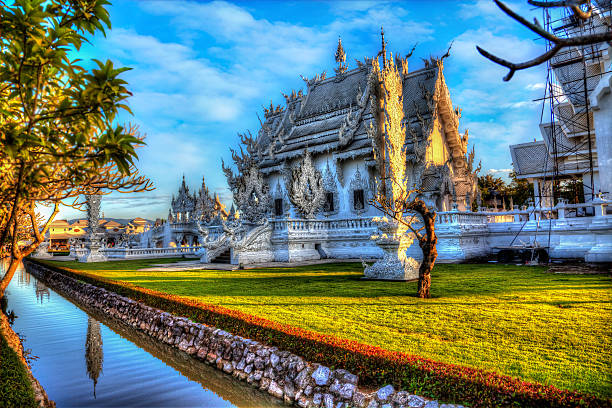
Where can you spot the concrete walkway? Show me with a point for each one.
(196, 265)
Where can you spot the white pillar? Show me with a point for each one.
(561, 211)
(601, 102)
(536, 193)
(599, 208)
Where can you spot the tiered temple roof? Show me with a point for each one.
(333, 114)
(334, 118)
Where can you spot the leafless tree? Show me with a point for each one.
(389, 132)
(582, 10)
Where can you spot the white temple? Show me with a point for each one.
(302, 185)
(186, 211)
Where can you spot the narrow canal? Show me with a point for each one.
(83, 359)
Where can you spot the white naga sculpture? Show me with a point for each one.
(248, 235)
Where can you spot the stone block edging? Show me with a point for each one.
(280, 373)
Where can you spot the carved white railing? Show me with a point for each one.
(182, 226)
(495, 218)
(461, 217)
(297, 225)
(214, 232)
(149, 252)
(561, 211)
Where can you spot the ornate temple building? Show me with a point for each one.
(186, 211)
(313, 162)
(304, 184)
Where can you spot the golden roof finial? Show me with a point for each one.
(340, 58)
(340, 54)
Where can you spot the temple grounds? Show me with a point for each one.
(554, 329)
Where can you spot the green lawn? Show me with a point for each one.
(15, 386)
(521, 321)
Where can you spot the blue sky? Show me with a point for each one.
(203, 70)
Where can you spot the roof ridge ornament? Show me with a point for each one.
(383, 48)
(340, 58)
(315, 80)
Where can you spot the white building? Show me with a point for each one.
(576, 144)
(302, 186)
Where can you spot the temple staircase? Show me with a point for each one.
(223, 258)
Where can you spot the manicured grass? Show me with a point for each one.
(520, 321)
(15, 386)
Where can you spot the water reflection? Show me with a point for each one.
(94, 356)
(41, 291)
(24, 277)
(124, 367)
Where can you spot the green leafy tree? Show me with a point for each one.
(519, 189)
(571, 190)
(58, 133)
(492, 187)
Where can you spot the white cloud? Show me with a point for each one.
(121, 201)
(497, 171)
(261, 47)
(486, 11)
(195, 88)
(536, 86)
(521, 104)
(172, 81)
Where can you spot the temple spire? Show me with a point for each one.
(340, 58)
(384, 45)
(340, 54)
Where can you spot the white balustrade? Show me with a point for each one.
(320, 225)
(562, 211)
(182, 226)
(149, 252)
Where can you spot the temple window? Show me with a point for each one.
(278, 207)
(329, 202)
(358, 200)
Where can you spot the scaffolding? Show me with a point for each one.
(572, 74)
(566, 120)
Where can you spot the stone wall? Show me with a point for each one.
(281, 374)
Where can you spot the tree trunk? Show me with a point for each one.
(6, 279)
(424, 281)
(428, 245)
(430, 253)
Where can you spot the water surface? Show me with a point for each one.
(85, 359)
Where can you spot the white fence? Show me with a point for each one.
(568, 230)
(320, 225)
(135, 253)
(141, 253)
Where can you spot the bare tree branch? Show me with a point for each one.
(574, 5)
(559, 43)
(523, 65)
